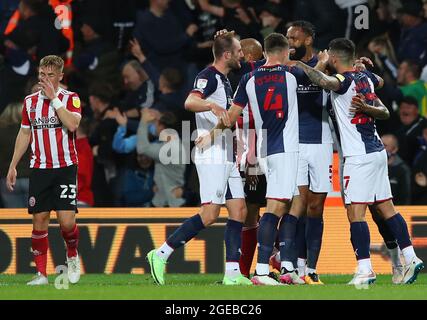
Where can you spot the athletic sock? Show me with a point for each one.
(301, 264)
(267, 231)
(71, 239)
(300, 237)
(232, 269)
(233, 241)
(164, 251)
(187, 231)
(249, 241)
(360, 239)
(395, 256)
(399, 229)
(287, 232)
(314, 233)
(40, 246)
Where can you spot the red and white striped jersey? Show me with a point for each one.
(52, 145)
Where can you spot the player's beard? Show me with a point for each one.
(234, 65)
(299, 53)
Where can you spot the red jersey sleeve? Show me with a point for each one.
(74, 104)
(25, 122)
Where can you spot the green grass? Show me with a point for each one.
(194, 286)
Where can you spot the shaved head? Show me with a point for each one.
(252, 49)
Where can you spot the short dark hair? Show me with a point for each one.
(409, 100)
(414, 67)
(168, 119)
(173, 78)
(35, 6)
(343, 47)
(222, 44)
(275, 42)
(307, 27)
(103, 91)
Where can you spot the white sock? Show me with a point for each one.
(287, 265)
(364, 266)
(301, 266)
(309, 270)
(395, 257)
(164, 251)
(408, 254)
(232, 269)
(262, 269)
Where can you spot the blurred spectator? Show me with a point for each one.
(136, 184)
(408, 78)
(7, 9)
(10, 123)
(398, 172)
(139, 88)
(162, 36)
(420, 172)
(35, 35)
(85, 167)
(100, 138)
(410, 128)
(413, 38)
(235, 16)
(319, 13)
(271, 19)
(169, 168)
(96, 60)
(384, 57)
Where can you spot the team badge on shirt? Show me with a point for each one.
(76, 102)
(201, 83)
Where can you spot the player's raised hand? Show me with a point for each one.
(361, 63)
(47, 88)
(220, 33)
(323, 56)
(221, 114)
(11, 179)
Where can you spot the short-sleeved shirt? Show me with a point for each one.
(271, 94)
(212, 85)
(358, 134)
(52, 144)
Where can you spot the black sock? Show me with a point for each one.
(233, 240)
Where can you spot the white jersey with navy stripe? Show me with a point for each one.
(358, 134)
(213, 86)
(271, 93)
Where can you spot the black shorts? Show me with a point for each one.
(256, 194)
(53, 189)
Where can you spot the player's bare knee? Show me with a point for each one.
(385, 209)
(209, 214)
(41, 221)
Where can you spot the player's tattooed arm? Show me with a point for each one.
(377, 111)
(319, 78)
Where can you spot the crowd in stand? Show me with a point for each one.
(132, 62)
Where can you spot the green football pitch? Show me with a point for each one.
(206, 287)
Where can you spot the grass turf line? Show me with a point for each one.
(203, 286)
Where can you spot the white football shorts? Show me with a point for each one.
(315, 167)
(219, 182)
(366, 179)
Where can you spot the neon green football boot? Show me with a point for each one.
(240, 280)
(157, 266)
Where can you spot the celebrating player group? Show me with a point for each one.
(283, 110)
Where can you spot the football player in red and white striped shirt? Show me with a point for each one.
(50, 118)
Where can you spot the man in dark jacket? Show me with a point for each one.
(398, 172)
